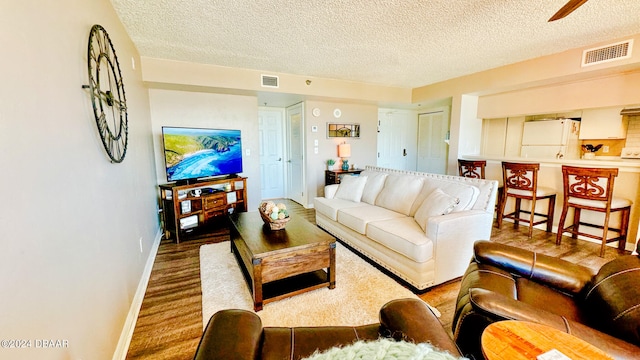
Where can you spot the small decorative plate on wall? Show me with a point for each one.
(337, 113)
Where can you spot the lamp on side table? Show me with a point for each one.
(344, 151)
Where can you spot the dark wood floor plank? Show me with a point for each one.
(170, 321)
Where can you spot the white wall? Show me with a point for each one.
(203, 109)
(363, 149)
(71, 221)
(207, 110)
(610, 91)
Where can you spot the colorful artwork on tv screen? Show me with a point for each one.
(192, 153)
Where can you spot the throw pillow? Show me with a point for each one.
(383, 349)
(467, 193)
(435, 204)
(351, 188)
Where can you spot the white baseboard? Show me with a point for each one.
(134, 309)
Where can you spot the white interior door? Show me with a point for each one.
(295, 158)
(397, 139)
(432, 148)
(271, 130)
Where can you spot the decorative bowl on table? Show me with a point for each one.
(274, 215)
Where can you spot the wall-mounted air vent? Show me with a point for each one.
(270, 81)
(630, 111)
(612, 52)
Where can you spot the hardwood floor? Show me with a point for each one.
(170, 321)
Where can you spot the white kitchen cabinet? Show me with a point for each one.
(513, 139)
(502, 136)
(603, 123)
(494, 136)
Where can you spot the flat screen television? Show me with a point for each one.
(195, 153)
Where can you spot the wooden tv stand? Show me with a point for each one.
(184, 211)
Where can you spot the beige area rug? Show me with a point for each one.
(360, 292)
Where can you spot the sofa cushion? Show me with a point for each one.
(402, 235)
(436, 204)
(356, 218)
(613, 299)
(400, 192)
(375, 183)
(330, 207)
(466, 193)
(351, 188)
(541, 296)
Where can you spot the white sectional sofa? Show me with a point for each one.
(419, 226)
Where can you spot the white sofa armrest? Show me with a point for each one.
(330, 191)
(453, 236)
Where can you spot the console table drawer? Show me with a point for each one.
(214, 202)
(211, 214)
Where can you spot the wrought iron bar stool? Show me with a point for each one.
(520, 181)
(592, 189)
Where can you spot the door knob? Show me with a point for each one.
(279, 159)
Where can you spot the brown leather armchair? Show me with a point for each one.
(508, 283)
(238, 334)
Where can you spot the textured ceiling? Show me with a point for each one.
(388, 42)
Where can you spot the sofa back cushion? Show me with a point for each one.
(375, 183)
(351, 188)
(399, 192)
(613, 299)
(483, 197)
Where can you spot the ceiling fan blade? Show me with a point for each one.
(567, 9)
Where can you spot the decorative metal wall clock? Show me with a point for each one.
(107, 94)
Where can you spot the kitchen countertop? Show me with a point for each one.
(632, 165)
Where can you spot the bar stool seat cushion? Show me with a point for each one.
(616, 203)
(541, 192)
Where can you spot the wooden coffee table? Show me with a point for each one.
(282, 263)
(521, 340)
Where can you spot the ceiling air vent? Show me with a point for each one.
(612, 52)
(270, 81)
(630, 111)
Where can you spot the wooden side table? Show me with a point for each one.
(334, 176)
(521, 340)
